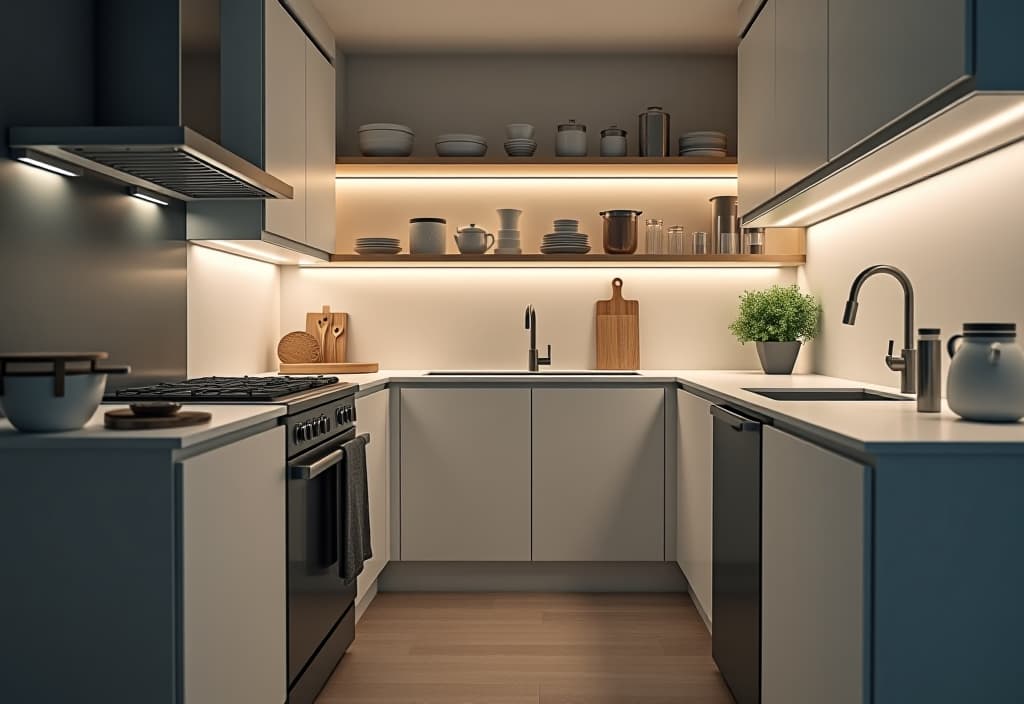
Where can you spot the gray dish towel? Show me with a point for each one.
(355, 524)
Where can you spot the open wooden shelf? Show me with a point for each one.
(536, 167)
(564, 260)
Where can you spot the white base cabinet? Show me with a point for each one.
(813, 613)
(598, 474)
(693, 495)
(372, 417)
(465, 474)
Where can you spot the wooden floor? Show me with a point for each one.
(528, 649)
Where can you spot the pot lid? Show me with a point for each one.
(613, 131)
(571, 125)
(471, 227)
(441, 220)
(654, 108)
(620, 213)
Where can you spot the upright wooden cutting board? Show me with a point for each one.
(331, 331)
(618, 331)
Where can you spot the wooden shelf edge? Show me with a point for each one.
(551, 167)
(564, 260)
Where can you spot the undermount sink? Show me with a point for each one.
(553, 372)
(855, 394)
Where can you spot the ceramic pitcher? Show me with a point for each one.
(986, 375)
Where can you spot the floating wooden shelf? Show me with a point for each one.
(564, 260)
(536, 167)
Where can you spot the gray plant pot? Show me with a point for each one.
(778, 357)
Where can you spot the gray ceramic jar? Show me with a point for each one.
(986, 375)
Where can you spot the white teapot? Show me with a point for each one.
(473, 239)
(986, 376)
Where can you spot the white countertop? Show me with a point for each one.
(225, 419)
(877, 427)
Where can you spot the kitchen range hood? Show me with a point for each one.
(158, 107)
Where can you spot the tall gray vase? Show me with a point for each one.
(778, 357)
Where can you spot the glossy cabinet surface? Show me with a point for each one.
(465, 474)
(320, 110)
(598, 474)
(694, 495)
(756, 150)
(372, 418)
(813, 574)
(885, 58)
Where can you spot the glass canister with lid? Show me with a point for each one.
(655, 236)
(613, 141)
(571, 139)
(676, 240)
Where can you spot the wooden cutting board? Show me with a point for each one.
(618, 331)
(331, 331)
(331, 368)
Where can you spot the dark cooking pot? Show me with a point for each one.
(620, 230)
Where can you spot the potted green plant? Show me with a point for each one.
(779, 319)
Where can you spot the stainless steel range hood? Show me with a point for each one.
(158, 107)
(176, 161)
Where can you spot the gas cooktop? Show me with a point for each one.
(227, 389)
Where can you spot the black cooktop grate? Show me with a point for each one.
(217, 388)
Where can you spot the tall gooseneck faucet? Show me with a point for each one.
(535, 360)
(906, 363)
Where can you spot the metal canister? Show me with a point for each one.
(654, 132)
(753, 240)
(724, 221)
(929, 370)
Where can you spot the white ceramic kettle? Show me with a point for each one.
(473, 239)
(986, 376)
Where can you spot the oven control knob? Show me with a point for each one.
(325, 424)
(339, 415)
(299, 436)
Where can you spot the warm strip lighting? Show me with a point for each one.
(246, 251)
(957, 141)
(47, 163)
(148, 196)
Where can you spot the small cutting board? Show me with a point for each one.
(331, 332)
(618, 331)
(124, 419)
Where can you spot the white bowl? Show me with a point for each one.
(385, 142)
(460, 148)
(461, 138)
(30, 405)
(519, 130)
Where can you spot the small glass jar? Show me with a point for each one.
(700, 242)
(571, 139)
(676, 240)
(655, 240)
(753, 240)
(613, 141)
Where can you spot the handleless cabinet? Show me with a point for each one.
(372, 417)
(465, 474)
(815, 558)
(694, 495)
(319, 150)
(598, 474)
(756, 149)
(885, 58)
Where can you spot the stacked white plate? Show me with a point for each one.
(706, 143)
(520, 147)
(566, 239)
(378, 245)
(460, 145)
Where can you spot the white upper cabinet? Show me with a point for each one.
(756, 148)
(886, 57)
(801, 89)
(599, 474)
(319, 150)
(299, 146)
(285, 115)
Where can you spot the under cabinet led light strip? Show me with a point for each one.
(47, 163)
(148, 196)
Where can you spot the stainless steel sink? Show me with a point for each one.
(854, 394)
(551, 372)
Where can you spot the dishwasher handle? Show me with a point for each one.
(735, 421)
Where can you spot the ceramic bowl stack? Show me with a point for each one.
(566, 239)
(378, 245)
(508, 241)
(385, 139)
(460, 145)
(520, 140)
(708, 143)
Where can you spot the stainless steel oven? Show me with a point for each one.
(321, 606)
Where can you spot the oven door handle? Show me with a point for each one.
(314, 469)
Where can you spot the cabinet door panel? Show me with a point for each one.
(465, 474)
(801, 89)
(812, 574)
(319, 150)
(285, 114)
(756, 119)
(885, 57)
(693, 499)
(372, 412)
(233, 572)
(598, 474)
